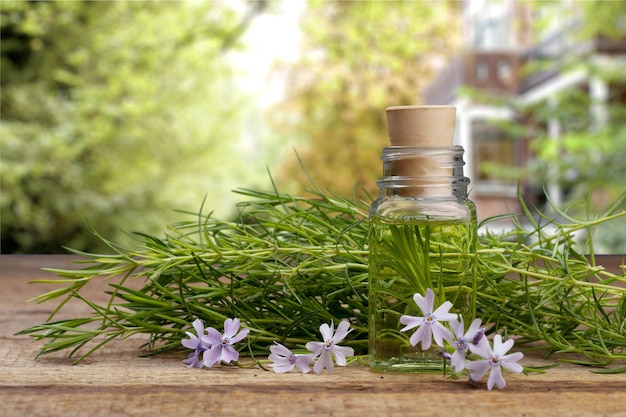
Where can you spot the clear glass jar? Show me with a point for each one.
(422, 235)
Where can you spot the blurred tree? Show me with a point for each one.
(116, 112)
(357, 59)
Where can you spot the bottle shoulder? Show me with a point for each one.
(431, 209)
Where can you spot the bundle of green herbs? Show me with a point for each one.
(292, 262)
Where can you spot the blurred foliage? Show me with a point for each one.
(584, 155)
(590, 153)
(587, 157)
(357, 59)
(116, 113)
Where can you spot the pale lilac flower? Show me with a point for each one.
(197, 342)
(284, 360)
(221, 349)
(329, 347)
(430, 325)
(494, 359)
(463, 341)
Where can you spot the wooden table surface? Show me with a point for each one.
(117, 382)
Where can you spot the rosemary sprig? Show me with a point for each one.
(551, 292)
(289, 263)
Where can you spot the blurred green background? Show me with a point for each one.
(117, 115)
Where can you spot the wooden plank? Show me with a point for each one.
(116, 381)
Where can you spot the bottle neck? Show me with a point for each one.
(425, 173)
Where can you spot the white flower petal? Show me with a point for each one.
(324, 361)
(192, 342)
(242, 334)
(303, 362)
(281, 364)
(231, 326)
(277, 359)
(303, 367)
(213, 337)
(198, 325)
(340, 354)
(279, 349)
(328, 362)
(211, 356)
(282, 368)
(229, 354)
(327, 331)
(473, 329)
(425, 303)
(500, 348)
(458, 327)
(478, 369)
(457, 361)
(206, 343)
(315, 347)
(439, 333)
(441, 317)
(495, 377)
(410, 322)
(510, 362)
(342, 331)
(193, 360)
(443, 311)
(482, 348)
(423, 335)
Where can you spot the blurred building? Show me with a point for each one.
(501, 38)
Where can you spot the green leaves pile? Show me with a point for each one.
(292, 262)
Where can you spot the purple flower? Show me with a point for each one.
(430, 325)
(221, 349)
(197, 342)
(494, 359)
(285, 360)
(326, 349)
(463, 341)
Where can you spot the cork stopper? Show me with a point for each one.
(426, 127)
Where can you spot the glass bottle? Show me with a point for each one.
(422, 235)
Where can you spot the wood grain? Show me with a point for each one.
(117, 381)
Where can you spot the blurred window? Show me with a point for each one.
(482, 71)
(492, 146)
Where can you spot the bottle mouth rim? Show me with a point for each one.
(426, 181)
(401, 152)
(437, 179)
(427, 148)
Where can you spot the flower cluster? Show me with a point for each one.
(322, 352)
(216, 348)
(463, 341)
(211, 347)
